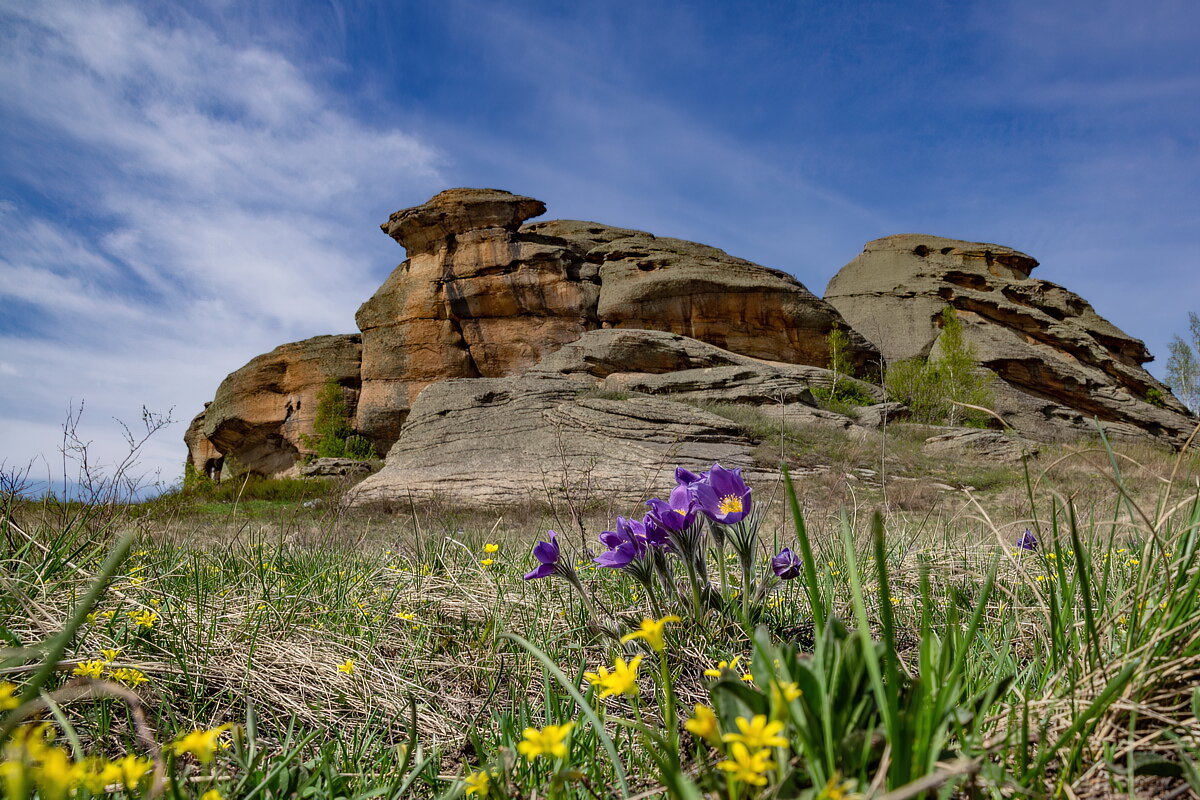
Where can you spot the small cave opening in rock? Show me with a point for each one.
(921, 250)
(946, 250)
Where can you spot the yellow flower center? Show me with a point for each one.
(680, 511)
(730, 504)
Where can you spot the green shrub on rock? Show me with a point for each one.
(333, 436)
(936, 390)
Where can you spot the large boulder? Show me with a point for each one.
(607, 416)
(261, 412)
(976, 443)
(1060, 363)
(660, 362)
(498, 441)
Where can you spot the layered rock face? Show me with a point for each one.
(588, 423)
(261, 411)
(483, 296)
(1061, 364)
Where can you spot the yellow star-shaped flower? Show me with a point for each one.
(622, 680)
(479, 783)
(747, 767)
(652, 631)
(549, 741)
(704, 724)
(757, 733)
(200, 743)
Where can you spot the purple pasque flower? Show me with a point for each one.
(1027, 541)
(677, 512)
(722, 495)
(685, 477)
(547, 554)
(786, 564)
(625, 544)
(656, 534)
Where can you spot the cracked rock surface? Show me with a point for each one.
(1060, 364)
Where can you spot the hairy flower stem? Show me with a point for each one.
(720, 556)
(695, 584)
(670, 716)
(647, 582)
(746, 592)
(587, 601)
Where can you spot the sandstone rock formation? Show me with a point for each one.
(591, 421)
(599, 343)
(482, 296)
(334, 468)
(261, 411)
(988, 445)
(492, 441)
(1061, 364)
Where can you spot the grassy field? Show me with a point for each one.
(265, 645)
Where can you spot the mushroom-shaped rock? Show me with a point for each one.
(430, 225)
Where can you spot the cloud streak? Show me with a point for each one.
(177, 203)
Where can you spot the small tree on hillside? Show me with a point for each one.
(841, 391)
(333, 436)
(1183, 366)
(933, 389)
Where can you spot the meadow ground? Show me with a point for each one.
(291, 647)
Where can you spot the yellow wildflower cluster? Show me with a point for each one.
(748, 758)
(733, 666)
(32, 761)
(103, 668)
(144, 619)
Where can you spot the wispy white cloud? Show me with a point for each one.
(208, 200)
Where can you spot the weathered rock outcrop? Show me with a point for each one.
(482, 296)
(987, 445)
(261, 411)
(590, 421)
(1061, 363)
(588, 313)
(495, 441)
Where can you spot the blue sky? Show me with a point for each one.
(184, 186)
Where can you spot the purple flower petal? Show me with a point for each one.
(723, 496)
(786, 564)
(1027, 540)
(543, 571)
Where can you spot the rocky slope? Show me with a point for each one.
(1060, 363)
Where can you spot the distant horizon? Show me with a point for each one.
(185, 186)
